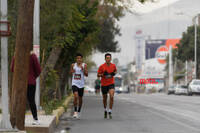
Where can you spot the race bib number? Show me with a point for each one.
(77, 76)
(108, 76)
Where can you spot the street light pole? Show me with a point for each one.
(195, 47)
(36, 42)
(171, 75)
(5, 124)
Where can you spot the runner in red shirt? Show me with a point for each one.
(107, 72)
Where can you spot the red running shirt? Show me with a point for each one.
(111, 68)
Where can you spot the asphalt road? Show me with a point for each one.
(153, 113)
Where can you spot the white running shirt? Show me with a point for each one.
(78, 76)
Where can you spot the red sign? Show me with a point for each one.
(161, 54)
(148, 81)
(138, 32)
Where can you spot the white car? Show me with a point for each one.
(171, 90)
(194, 86)
(181, 89)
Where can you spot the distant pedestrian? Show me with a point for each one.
(34, 72)
(78, 71)
(107, 72)
(97, 85)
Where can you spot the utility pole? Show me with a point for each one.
(36, 47)
(195, 48)
(170, 66)
(195, 44)
(186, 72)
(5, 124)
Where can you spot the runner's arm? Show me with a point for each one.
(72, 69)
(114, 72)
(100, 73)
(85, 70)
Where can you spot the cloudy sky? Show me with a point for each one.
(160, 20)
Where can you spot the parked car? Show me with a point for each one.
(181, 89)
(171, 90)
(194, 87)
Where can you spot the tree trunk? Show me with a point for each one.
(50, 64)
(64, 79)
(24, 40)
(63, 72)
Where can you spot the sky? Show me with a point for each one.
(160, 20)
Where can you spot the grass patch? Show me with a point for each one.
(0, 111)
(51, 105)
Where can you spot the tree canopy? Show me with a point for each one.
(68, 27)
(185, 50)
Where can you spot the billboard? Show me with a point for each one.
(159, 49)
(151, 46)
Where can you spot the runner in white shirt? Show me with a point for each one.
(78, 71)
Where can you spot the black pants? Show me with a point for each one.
(31, 100)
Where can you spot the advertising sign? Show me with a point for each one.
(159, 49)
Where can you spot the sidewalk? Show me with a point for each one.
(47, 124)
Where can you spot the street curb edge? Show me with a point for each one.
(60, 110)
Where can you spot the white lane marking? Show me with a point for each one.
(175, 121)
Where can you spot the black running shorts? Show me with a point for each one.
(79, 90)
(105, 89)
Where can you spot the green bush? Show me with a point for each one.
(51, 105)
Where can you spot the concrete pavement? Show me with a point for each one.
(157, 113)
(47, 122)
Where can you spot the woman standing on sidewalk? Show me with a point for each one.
(34, 72)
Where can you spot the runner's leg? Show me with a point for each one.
(75, 100)
(75, 92)
(105, 105)
(105, 100)
(80, 103)
(111, 93)
(80, 98)
(104, 90)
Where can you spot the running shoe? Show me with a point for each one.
(79, 115)
(110, 115)
(105, 114)
(36, 122)
(75, 115)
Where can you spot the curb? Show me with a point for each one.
(13, 130)
(58, 112)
